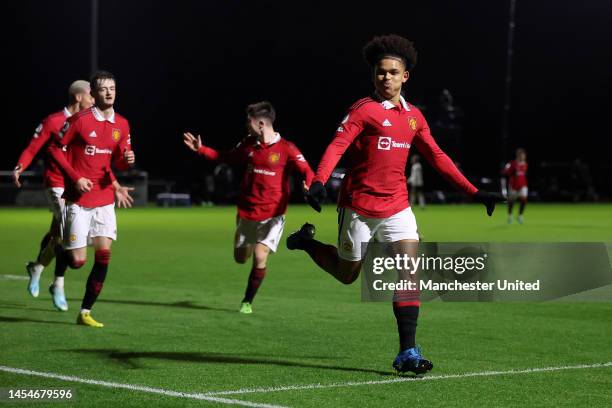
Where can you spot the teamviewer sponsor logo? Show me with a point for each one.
(400, 145)
(264, 172)
(91, 150)
(384, 143)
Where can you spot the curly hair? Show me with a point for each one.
(391, 45)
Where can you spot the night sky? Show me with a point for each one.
(195, 65)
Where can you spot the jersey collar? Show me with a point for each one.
(100, 118)
(67, 112)
(276, 139)
(387, 104)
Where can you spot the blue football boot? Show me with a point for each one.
(412, 360)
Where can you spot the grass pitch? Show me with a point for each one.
(170, 307)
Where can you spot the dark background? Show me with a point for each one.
(195, 65)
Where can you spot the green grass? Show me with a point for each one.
(170, 309)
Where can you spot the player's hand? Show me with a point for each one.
(129, 157)
(16, 173)
(316, 193)
(192, 142)
(84, 185)
(123, 197)
(489, 200)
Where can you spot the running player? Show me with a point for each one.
(377, 134)
(516, 172)
(95, 139)
(79, 98)
(264, 193)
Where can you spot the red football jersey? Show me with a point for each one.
(264, 191)
(377, 137)
(517, 173)
(93, 143)
(43, 135)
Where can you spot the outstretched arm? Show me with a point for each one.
(346, 133)
(428, 147)
(349, 129)
(444, 165)
(194, 143)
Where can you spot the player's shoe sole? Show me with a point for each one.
(85, 319)
(59, 298)
(297, 239)
(246, 308)
(412, 360)
(34, 282)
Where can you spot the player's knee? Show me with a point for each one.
(349, 278)
(261, 259)
(103, 256)
(76, 263)
(350, 272)
(240, 258)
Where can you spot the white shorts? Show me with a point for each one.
(83, 224)
(514, 194)
(267, 232)
(355, 230)
(57, 206)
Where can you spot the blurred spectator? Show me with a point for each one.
(582, 182)
(415, 180)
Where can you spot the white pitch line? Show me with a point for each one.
(405, 379)
(141, 388)
(14, 277)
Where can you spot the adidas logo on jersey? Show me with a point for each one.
(386, 123)
(93, 134)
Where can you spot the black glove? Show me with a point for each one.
(316, 193)
(489, 200)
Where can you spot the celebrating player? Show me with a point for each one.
(373, 205)
(95, 138)
(516, 172)
(79, 98)
(264, 191)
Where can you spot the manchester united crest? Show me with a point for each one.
(347, 245)
(412, 122)
(274, 157)
(116, 135)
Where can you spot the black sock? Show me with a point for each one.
(406, 317)
(522, 207)
(311, 245)
(95, 282)
(61, 261)
(255, 278)
(43, 245)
